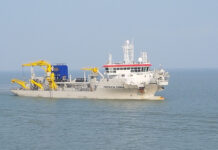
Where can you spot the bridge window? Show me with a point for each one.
(138, 69)
(132, 69)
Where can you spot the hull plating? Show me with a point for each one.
(101, 93)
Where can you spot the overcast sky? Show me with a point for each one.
(175, 33)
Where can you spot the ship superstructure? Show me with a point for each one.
(126, 80)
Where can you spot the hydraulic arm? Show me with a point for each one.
(20, 82)
(94, 70)
(37, 84)
(40, 63)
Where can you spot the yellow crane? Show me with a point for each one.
(40, 63)
(37, 84)
(20, 82)
(94, 70)
(51, 81)
(50, 75)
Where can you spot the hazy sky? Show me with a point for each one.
(175, 33)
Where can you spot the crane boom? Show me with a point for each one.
(37, 84)
(40, 63)
(94, 70)
(20, 82)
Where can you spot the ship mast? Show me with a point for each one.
(128, 52)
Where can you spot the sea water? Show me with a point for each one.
(186, 120)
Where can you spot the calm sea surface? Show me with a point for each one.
(186, 120)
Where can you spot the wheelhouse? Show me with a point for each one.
(127, 68)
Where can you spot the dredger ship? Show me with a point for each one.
(128, 79)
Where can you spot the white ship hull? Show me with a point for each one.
(127, 93)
